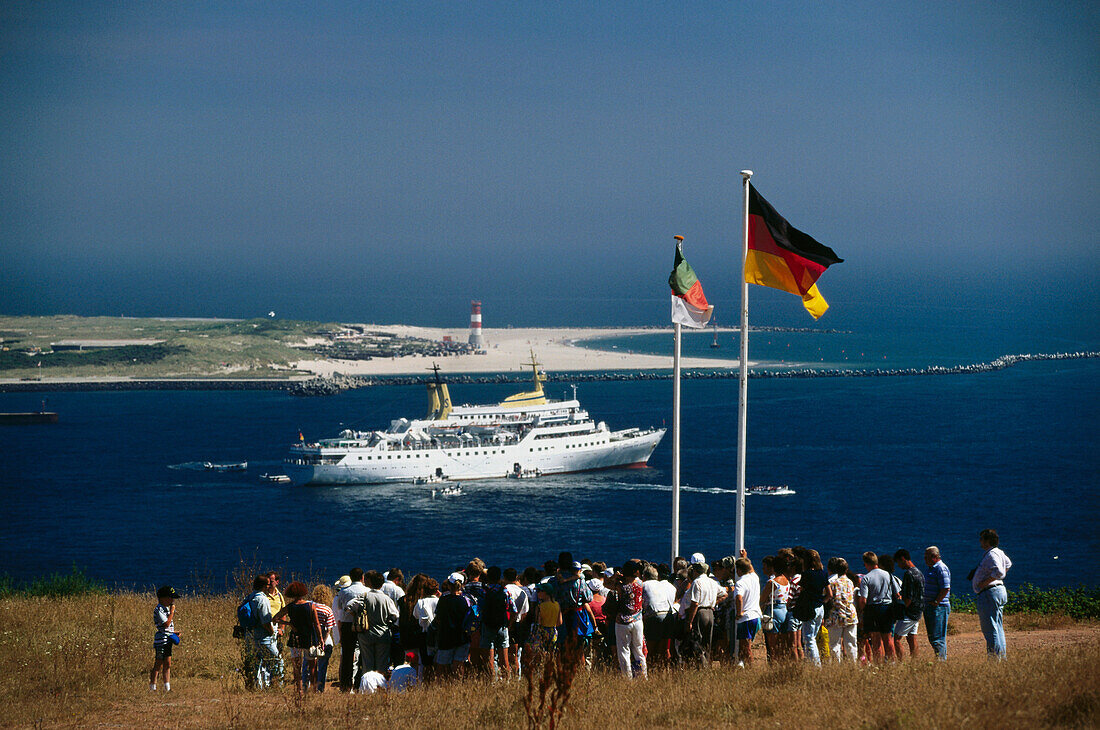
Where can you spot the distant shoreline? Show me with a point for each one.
(328, 385)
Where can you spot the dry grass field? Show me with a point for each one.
(83, 662)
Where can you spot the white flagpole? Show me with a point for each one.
(743, 380)
(676, 436)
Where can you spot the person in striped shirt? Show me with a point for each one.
(322, 599)
(164, 614)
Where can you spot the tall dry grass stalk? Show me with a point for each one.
(549, 677)
(84, 662)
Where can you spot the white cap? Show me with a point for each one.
(697, 558)
(456, 578)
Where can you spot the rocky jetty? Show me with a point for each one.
(340, 383)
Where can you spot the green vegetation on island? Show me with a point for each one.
(109, 347)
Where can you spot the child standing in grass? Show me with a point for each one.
(165, 638)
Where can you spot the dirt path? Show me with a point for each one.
(970, 641)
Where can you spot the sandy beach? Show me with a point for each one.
(508, 349)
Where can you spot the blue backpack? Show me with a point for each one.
(246, 615)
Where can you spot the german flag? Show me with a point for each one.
(783, 257)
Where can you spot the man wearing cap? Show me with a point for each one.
(338, 614)
(701, 598)
(452, 641)
(574, 597)
(349, 644)
(165, 638)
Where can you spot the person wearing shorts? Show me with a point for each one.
(452, 640)
(876, 593)
(746, 608)
(912, 595)
(164, 614)
(453, 657)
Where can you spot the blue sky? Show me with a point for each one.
(391, 161)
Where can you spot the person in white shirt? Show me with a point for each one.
(516, 627)
(701, 599)
(338, 612)
(987, 581)
(658, 616)
(596, 582)
(349, 645)
(371, 682)
(394, 586)
(405, 675)
(746, 608)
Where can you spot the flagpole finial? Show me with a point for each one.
(746, 174)
(679, 238)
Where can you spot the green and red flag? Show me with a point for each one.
(783, 257)
(689, 304)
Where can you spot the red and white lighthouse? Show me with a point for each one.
(475, 326)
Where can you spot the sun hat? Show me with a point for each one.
(697, 558)
(456, 577)
(608, 572)
(586, 566)
(344, 582)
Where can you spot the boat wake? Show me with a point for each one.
(189, 466)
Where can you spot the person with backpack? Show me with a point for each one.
(496, 611)
(380, 615)
(574, 597)
(452, 641)
(262, 663)
(912, 595)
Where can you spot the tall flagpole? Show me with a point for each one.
(743, 379)
(676, 436)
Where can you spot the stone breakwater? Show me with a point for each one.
(339, 382)
(331, 386)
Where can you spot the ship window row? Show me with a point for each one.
(486, 452)
(568, 446)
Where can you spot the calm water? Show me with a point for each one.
(876, 464)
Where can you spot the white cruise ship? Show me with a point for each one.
(525, 435)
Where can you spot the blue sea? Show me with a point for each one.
(875, 463)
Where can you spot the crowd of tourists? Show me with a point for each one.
(389, 632)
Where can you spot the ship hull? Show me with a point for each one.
(494, 463)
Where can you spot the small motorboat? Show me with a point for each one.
(454, 491)
(772, 489)
(431, 479)
(241, 466)
(275, 478)
(519, 472)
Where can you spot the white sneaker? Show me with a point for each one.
(153, 688)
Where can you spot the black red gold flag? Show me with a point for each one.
(782, 257)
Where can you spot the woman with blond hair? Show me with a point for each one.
(322, 599)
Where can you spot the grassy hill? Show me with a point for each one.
(187, 348)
